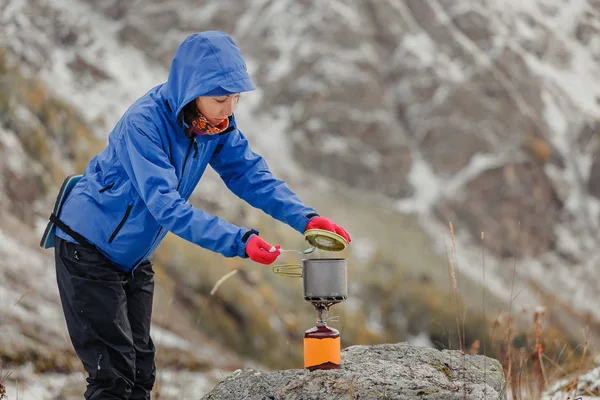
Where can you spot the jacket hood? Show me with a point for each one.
(205, 63)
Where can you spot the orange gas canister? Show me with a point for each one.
(322, 348)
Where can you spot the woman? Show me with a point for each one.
(136, 190)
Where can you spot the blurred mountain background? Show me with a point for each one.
(396, 118)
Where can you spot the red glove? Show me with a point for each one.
(259, 251)
(326, 224)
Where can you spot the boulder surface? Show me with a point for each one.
(386, 371)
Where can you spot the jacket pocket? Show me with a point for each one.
(118, 228)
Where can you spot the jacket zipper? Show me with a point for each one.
(186, 160)
(118, 228)
(195, 151)
(187, 156)
(104, 189)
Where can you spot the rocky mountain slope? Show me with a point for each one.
(392, 117)
(484, 114)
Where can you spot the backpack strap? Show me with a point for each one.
(65, 228)
(47, 241)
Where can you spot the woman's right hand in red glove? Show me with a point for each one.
(259, 251)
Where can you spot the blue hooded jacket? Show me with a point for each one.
(136, 189)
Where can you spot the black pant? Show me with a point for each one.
(108, 315)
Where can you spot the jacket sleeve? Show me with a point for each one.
(151, 173)
(247, 175)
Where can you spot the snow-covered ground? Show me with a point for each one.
(588, 388)
(24, 383)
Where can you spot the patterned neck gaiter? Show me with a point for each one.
(201, 126)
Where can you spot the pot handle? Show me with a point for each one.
(289, 270)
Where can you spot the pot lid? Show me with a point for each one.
(325, 240)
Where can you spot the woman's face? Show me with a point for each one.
(217, 109)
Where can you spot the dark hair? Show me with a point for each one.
(188, 114)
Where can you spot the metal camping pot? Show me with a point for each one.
(325, 279)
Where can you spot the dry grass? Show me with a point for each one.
(3, 377)
(573, 386)
(533, 357)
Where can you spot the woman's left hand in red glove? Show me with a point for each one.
(326, 224)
